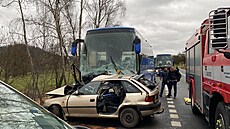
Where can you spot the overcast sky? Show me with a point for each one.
(168, 24)
(165, 24)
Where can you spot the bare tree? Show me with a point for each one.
(34, 79)
(102, 13)
(56, 10)
(52, 27)
(80, 29)
(26, 43)
(64, 22)
(70, 15)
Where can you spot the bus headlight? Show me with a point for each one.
(149, 70)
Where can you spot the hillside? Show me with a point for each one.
(14, 60)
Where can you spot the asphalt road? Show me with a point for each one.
(177, 115)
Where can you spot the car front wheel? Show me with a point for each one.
(56, 110)
(129, 117)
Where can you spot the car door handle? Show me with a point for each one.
(92, 100)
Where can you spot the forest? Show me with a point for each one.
(34, 46)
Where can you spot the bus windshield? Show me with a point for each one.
(164, 61)
(102, 47)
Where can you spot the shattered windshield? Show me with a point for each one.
(18, 112)
(100, 48)
(164, 61)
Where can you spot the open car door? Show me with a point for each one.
(83, 101)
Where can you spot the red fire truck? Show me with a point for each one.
(208, 69)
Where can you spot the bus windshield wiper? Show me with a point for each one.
(115, 66)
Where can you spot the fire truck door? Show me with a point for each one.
(208, 71)
(217, 66)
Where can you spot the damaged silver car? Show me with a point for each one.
(129, 98)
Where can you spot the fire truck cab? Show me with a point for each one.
(208, 69)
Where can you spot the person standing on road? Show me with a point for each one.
(164, 78)
(174, 77)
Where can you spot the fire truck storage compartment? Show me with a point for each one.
(207, 98)
(194, 69)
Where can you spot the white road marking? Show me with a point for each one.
(169, 99)
(166, 88)
(172, 111)
(171, 106)
(170, 102)
(174, 116)
(182, 72)
(176, 123)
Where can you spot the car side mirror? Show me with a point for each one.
(76, 93)
(68, 90)
(227, 55)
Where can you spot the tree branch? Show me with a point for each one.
(9, 3)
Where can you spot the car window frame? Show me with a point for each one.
(140, 85)
(122, 82)
(96, 91)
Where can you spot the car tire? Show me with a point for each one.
(56, 110)
(221, 117)
(195, 110)
(129, 117)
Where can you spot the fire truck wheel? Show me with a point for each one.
(195, 110)
(221, 117)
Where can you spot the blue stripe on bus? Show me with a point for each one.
(115, 27)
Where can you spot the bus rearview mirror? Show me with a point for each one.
(74, 46)
(137, 45)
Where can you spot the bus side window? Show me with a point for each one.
(92, 59)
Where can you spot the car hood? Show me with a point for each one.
(59, 91)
